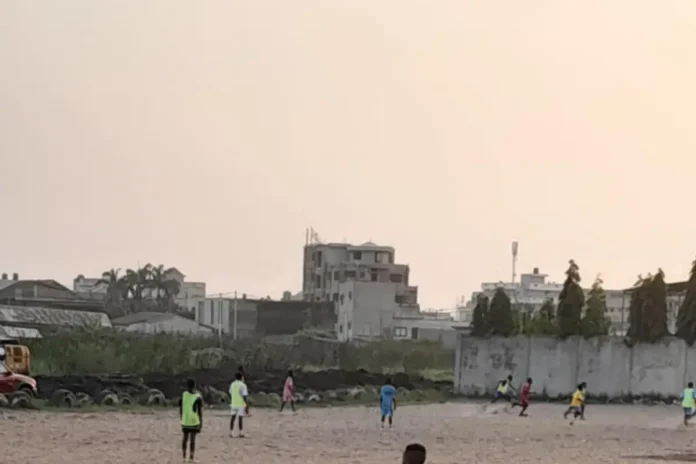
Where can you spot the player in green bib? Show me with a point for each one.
(688, 402)
(238, 403)
(191, 412)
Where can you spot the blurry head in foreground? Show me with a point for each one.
(190, 384)
(414, 454)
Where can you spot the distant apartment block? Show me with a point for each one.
(368, 287)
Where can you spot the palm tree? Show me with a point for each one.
(114, 290)
(163, 286)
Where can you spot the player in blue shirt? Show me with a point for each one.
(387, 401)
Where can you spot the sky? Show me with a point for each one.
(209, 135)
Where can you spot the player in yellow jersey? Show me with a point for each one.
(191, 412)
(576, 403)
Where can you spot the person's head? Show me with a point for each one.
(529, 380)
(503, 382)
(290, 374)
(580, 387)
(190, 385)
(238, 376)
(509, 378)
(690, 385)
(388, 381)
(583, 385)
(240, 369)
(414, 454)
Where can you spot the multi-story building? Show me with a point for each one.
(364, 281)
(533, 290)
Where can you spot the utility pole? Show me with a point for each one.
(236, 307)
(219, 307)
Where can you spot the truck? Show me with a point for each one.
(14, 369)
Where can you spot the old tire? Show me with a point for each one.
(156, 399)
(110, 399)
(63, 398)
(125, 399)
(4, 402)
(83, 399)
(20, 400)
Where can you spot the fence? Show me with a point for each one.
(607, 364)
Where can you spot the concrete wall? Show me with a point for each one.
(179, 325)
(607, 365)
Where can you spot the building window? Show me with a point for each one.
(396, 278)
(212, 310)
(337, 275)
(400, 332)
(350, 296)
(342, 298)
(350, 274)
(374, 276)
(318, 279)
(340, 328)
(335, 296)
(414, 333)
(350, 326)
(357, 255)
(378, 257)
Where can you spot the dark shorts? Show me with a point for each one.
(502, 396)
(187, 429)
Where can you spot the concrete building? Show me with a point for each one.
(532, 291)
(260, 318)
(432, 327)
(365, 283)
(154, 323)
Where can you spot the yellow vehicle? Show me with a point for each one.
(17, 357)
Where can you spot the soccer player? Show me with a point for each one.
(387, 402)
(524, 397)
(414, 454)
(289, 392)
(584, 395)
(576, 403)
(238, 403)
(191, 412)
(688, 402)
(502, 390)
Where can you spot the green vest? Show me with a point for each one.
(189, 417)
(503, 388)
(688, 401)
(236, 398)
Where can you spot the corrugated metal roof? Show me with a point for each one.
(145, 316)
(13, 333)
(32, 315)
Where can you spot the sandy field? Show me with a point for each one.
(452, 433)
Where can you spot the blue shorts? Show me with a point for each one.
(688, 412)
(387, 411)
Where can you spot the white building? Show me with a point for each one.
(154, 323)
(369, 289)
(532, 291)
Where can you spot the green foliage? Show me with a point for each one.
(570, 303)
(686, 318)
(544, 321)
(648, 310)
(480, 317)
(144, 289)
(109, 351)
(596, 322)
(500, 318)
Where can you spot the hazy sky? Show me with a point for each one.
(208, 135)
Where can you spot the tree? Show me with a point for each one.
(544, 321)
(595, 322)
(480, 317)
(500, 321)
(165, 289)
(648, 310)
(570, 303)
(686, 317)
(113, 304)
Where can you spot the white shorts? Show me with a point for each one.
(237, 411)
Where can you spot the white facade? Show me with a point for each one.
(369, 289)
(83, 284)
(533, 290)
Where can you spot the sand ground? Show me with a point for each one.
(452, 433)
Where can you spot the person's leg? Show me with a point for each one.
(524, 409)
(184, 443)
(292, 405)
(232, 419)
(192, 445)
(582, 412)
(391, 420)
(568, 411)
(282, 405)
(241, 425)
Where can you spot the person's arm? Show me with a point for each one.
(198, 407)
(394, 400)
(181, 408)
(245, 394)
